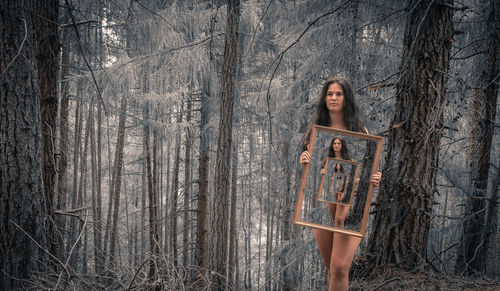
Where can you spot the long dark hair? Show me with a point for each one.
(352, 118)
(343, 150)
(351, 115)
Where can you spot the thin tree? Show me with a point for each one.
(153, 232)
(117, 179)
(96, 208)
(403, 211)
(63, 149)
(233, 227)
(175, 192)
(187, 185)
(47, 62)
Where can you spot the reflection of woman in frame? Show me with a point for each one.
(338, 150)
(336, 108)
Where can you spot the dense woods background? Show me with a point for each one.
(154, 144)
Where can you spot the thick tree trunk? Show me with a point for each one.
(22, 202)
(403, 210)
(473, 249)
(221, 187)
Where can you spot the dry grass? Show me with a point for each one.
(391, 278)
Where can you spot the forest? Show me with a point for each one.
(154, 144)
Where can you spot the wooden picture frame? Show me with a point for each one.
(338, 176)
(368, 148)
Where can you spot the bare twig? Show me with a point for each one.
(78, 23)
(154, 13)
(72, 210)
(77, 32)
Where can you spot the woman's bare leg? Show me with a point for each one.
(340, 215)
(324, 239)
(344, 248)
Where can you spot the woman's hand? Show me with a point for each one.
(322, 171)
(375, 180)
(305, 158)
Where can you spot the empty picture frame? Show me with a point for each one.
(335, 194)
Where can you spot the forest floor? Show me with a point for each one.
(389, 278)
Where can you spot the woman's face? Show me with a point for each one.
(337, 167)
(334, 98)
(337, 145)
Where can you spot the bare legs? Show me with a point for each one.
(343, 249)
(336, 249)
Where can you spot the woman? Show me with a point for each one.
(337, 109)
(338, 150)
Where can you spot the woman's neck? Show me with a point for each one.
(337, 120)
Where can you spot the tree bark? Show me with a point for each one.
(203, 169)
(201, 213)
(47, 61)
(475, 240)
(221, 187)
(403, 210)
(22, 202)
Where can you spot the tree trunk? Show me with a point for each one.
(175, 192)
(187, 186)
(221, 187)
(201, 219)
(96, 209)
(117, 180)
(80, 195)
(153, 232)
(403, 210)
(166, 240)
(473, 249)
(76, 163)
(23, 207)
(233, 232)
(47, 61)
(203, 170)
(63, 150)
(248, 233)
